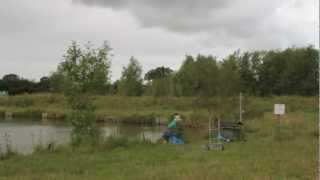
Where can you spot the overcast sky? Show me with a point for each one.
(34, 34)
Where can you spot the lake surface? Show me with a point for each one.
(23, 135)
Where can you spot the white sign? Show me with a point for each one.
(279, 109)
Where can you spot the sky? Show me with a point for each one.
(34, 34)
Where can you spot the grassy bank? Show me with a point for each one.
(133, 108)
(268, 153)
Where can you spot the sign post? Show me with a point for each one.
(279, 110)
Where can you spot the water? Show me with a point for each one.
(23, 135)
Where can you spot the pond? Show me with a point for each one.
(23, 135)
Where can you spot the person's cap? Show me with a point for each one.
(178, 118)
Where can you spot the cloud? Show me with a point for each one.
(34, 38)
(34, 34)
(225, 22)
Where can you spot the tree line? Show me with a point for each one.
(293, 71)
(13, 84)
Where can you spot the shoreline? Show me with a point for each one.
(130, 120)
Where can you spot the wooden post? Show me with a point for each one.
(44, 116)
(279, 110)
(279, 126)
(8, 115)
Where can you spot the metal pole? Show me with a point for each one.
(319, 103)
(219, 133)
(210, 133)
(240, 107)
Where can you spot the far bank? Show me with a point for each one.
(152, 110)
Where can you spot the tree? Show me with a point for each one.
(44, 84)
(301, 66)
(247, 78)
(229, 76)
(56, 80)
(85, 71)
(206, 76)
(159, 81)
(131, 80)
(256, 62)
(158, 73)
(197, 76)
(10, 83)
(292, 71)
(184, 78)
(114, 88)
(16, 85)
(10, 77)
(3, 86)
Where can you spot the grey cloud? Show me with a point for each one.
(171, 6)
(35, 33)
(225, 21)
(238, 18)
(179, 15)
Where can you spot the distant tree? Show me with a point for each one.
(159, 81)
(247, 75)
(16, 85)
(158, 73)
(3, 86)
(206, 76)
(131, 79)
(44, 84)
(229, 76)
(56, 80)
(10, 77)
(256, 62)
(197, 76)
(185, 85)
(114, 88)
(13, 84)
(301, 66)
(10, 83)
(292, 71)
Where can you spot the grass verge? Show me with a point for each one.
(266, 154)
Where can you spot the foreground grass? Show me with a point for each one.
(269, 153)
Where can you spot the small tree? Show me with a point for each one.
(85, 72)
(131, 81)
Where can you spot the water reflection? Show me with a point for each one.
(24, 135)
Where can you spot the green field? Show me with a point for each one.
(269, 152)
